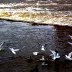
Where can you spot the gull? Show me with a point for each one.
(69, 56)
(54, 55)
(1, 46)
(14, 50)
(70, 36)
(70, 43)
(42, 48)
(35, 53)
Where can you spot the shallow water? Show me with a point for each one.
(29, 39)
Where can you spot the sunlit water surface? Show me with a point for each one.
(39, 12)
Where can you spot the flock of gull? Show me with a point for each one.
(54, 54)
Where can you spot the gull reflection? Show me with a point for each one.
(54, 54)
(14, 50)
(42, 46)
(42, 59)
(44, 64)
(70, 36)
(69, 56)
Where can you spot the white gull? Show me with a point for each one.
(42, 48)
(1, 46)
(35, 53)
(69, 56)
(70, 36)
(54, 55)
(14, 50)
(70, 43)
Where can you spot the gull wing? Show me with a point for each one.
(70, 54)
(16, 49)
(1, 46)
(70, 36)
(53, 52)
(70, 43)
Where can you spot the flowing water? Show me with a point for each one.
(48, 12)
(29, 39)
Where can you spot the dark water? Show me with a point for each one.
(29, 39)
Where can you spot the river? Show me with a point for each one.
(29, 39)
